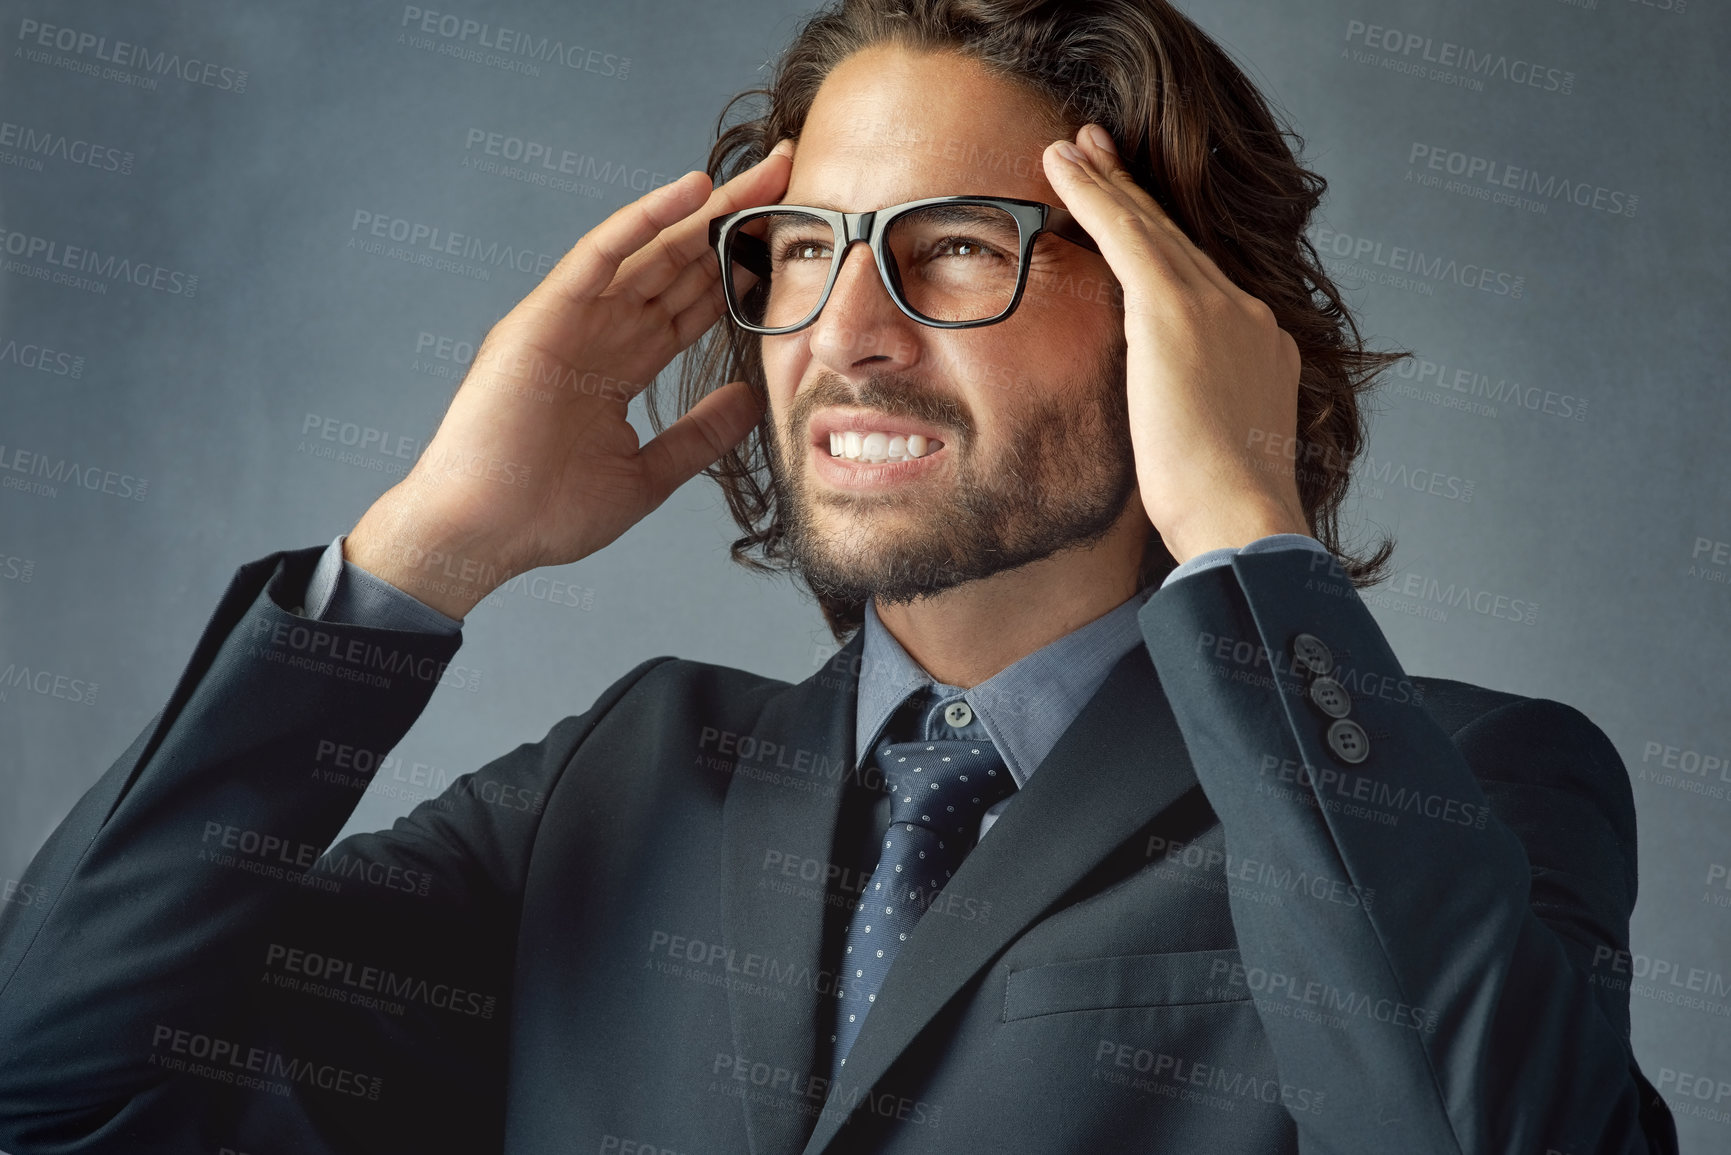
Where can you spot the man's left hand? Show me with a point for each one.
(1212, 377)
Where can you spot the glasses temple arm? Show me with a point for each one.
(1060, 223)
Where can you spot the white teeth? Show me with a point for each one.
(878, 447)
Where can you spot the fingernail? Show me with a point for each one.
(1070, 152)
(1102, 139)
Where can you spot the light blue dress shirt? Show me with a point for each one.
(1023, 708)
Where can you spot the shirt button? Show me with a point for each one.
(958, 715)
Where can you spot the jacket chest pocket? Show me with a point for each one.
(1184, 978)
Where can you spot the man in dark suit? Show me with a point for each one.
(1114, 826)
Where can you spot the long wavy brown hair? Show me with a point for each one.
(1192, 130)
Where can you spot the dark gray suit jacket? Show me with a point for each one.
(1198, 929)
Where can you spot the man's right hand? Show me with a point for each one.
(535, 462)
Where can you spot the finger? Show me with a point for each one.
(1109, 173)
(649, 271)
(694, 321)
(1093, 141)
(693, 282)
(1131, 243)
(699, 438)
(590, 265)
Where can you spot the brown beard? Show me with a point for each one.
(1061, 482)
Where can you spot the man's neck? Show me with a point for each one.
(965, 635)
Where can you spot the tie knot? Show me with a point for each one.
(945, 785)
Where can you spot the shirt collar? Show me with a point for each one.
(1024, 707)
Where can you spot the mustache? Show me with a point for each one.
(893, 394)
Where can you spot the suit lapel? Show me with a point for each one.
(1121, 762)
(785, 795)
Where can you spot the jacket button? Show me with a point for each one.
(1310, 655)
(1330, 697)
(1348, 740)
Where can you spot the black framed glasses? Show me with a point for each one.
(952, 262)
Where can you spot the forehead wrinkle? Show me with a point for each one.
(862, 176)
(911, 188)
(883, 129)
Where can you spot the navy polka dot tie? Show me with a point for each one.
(939, 791)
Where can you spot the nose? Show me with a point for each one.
(860, 325)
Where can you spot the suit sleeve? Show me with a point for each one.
(1440, 988)
(196, 971)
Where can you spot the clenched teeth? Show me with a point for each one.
(856, 446)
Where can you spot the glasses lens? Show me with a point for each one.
(777, 264)
(955, 262)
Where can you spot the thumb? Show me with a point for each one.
(698, 439)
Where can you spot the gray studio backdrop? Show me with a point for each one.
(224, 331)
